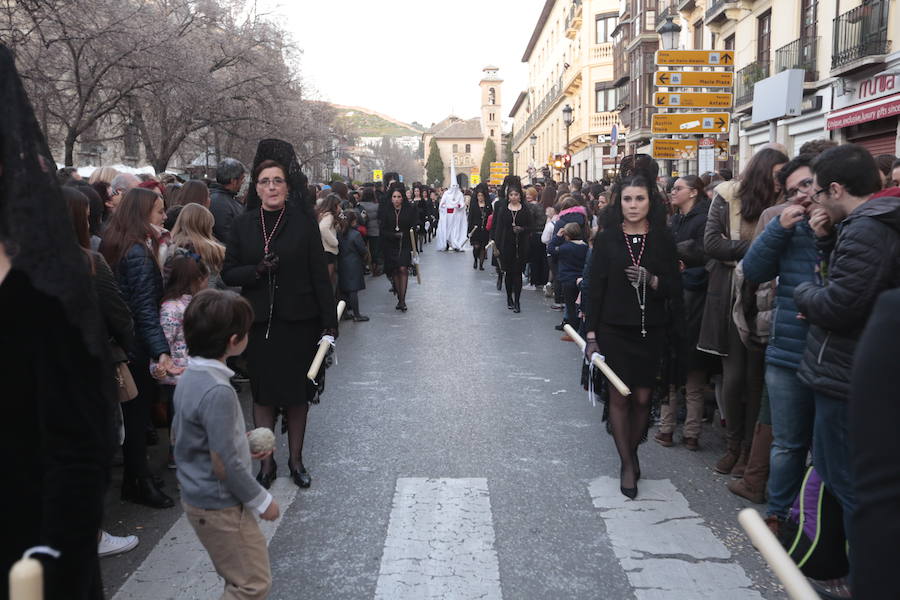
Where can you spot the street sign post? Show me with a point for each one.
(377, 175)
(722, 79)
(669, 149)
(695, 58)
(686, 123)
(692, 100)
(475, 179)
(499, 171)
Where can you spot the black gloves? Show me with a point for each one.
(269, 264)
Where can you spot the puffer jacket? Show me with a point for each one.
(576, 214)
(864, 261)
(141, 284)
(791, 256)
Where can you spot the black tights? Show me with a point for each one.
(353, 302)
(628, 421)
(401, 281)
(264, 416)
(478, 253)
(514, 285)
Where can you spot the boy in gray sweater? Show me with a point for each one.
(211, 448)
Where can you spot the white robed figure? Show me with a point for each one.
(451, 229)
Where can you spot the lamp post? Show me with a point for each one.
(515, 159)
(567, 120)
(669, 33)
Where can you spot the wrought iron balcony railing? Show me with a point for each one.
(861, 32)
(799, 54)
(744, 80)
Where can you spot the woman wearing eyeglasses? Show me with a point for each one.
(275, 255)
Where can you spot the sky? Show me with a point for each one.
(413, 60)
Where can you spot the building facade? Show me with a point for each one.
(570, 63)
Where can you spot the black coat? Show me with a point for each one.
(613, 299)
(864, 261)
(225, 208)
(478, 223)
(513, 247)
(141, 284)
(874, 414)
(687, 231)
(56, 440)
(351, 261)
(303, 289)
(396, 246)
(116, 314)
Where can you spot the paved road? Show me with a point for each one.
(456, 456)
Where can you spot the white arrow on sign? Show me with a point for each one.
(689, 125)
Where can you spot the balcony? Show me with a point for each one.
(720, 11)
(799, 54)
(687, 5)
(550, 99)
(860, 37)
(601, 53)
(574, 20)
(667, 8)
(744, 80)
(602, 122)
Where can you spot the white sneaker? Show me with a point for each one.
(112, 544)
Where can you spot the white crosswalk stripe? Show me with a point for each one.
(178, 566)
(665, 548)
(440, 542)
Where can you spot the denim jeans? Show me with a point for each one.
(793, 409)
(831, 452)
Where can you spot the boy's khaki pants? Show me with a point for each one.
(237, 548)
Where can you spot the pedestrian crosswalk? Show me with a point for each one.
(440, 543)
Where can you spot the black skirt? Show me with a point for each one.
(634, 358)
(278, 365)
(397, 252)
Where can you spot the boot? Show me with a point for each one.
(756, 474)
(726, 463)
(741, 464)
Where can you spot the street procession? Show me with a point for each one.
(532, 299)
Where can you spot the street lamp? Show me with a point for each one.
(515, 159)
(568, 120)
(669, 34)
(533, 140)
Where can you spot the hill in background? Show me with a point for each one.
(368, 123)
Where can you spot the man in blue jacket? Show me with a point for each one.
(786, 250)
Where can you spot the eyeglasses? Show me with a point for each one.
(677, 188)
(815, 195)
(801, 187)
(276, 181)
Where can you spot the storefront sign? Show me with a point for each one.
(864, 90)
(871, 111)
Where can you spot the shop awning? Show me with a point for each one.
(882, 108)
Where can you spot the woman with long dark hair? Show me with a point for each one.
(397, 220)
(328, 213)
(691, 204)
(131, 247)
(634, 277)
(275, 255)
(479, 236)
(512, 220)
(730, 228)
(192, 192)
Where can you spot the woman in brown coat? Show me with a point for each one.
(730, 226)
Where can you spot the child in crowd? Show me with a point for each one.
(187, 276)
(546, 236)
(212, 451)
(571, 254)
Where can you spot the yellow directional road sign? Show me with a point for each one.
(669, 149)
(692, 100)
(690, 123)
(694, 79)
(696, 58)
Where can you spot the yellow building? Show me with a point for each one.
(852, 83)
(465, 140)
(570, 63)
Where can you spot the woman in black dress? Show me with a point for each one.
(512, 221)
(397, 221)
(275, 255)
(635, 292)
(479, 211)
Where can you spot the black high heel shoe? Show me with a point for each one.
(265, 478)
(516, 307)
(628, 492)
(301, 477)
(141, 490)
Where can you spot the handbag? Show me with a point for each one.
(125, 383)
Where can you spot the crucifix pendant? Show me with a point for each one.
(635, 284)
(643, 333)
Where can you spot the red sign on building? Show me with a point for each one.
(863, 113)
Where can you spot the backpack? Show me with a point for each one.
(813, 533)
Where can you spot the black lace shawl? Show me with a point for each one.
(283, 153)
(34, 220)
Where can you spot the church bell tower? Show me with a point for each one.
(491, 118)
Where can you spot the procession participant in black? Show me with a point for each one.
(275, 255)
(479, 211)
(511, 222)
(420, 203)
(396, 243)
(634, 279)
(432, 213)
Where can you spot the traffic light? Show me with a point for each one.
(558, 162)
(567, 160)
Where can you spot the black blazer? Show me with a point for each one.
(303, 288)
